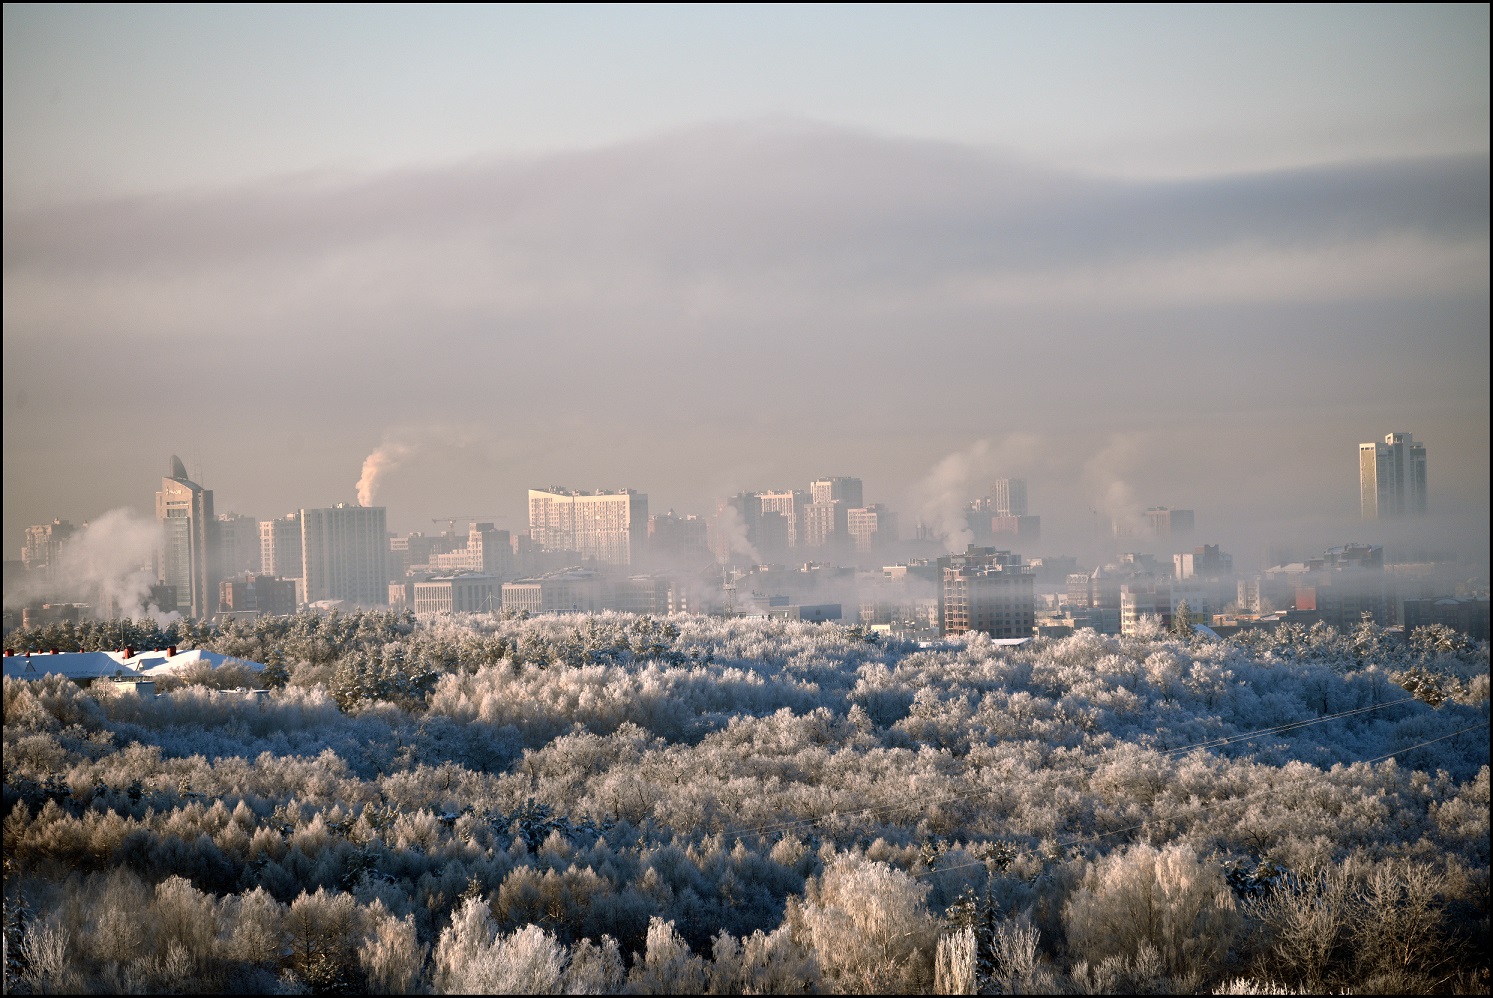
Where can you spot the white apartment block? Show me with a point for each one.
(611, 527)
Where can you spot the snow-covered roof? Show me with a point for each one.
(99, 664)
(72, 664)
(161, 664)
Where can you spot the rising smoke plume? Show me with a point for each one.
(946, 490)
(106, 563)
(733, 536)
(385, 458)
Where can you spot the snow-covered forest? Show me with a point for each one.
(609, 803)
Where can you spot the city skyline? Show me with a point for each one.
(1137, 258)
(340, 552)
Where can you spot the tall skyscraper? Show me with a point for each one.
(845, 490)
(185, 511)
(611, 527)
(44, 544)
(344, 554)
(789, 505)
(1163, 522)
(280, 547)
(237, 545)
(1392, 477)
(1008, 497)
(871, 528)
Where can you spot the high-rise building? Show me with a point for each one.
(871, 528)
(789, 505)
(239, 548)
(1008, 497)
(280, 547)
(1164, 522)
(824, 525)
(1016, 529)
(610, 527)
(488, 551)
(344, 554)
(1392, 477)
(680, 540)
(844, 490)
(44, 544)
(1205, 562)
(987, 590)
(185, 512)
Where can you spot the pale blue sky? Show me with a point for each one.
(108, 99)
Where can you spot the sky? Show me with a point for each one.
(1183, 256)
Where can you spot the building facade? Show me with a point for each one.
(987, 590)
(1392, 477)
(872, 528)
(280, 547)
(238, 545)
(185, 512)
(1162, 521)
(1008, 497)
(344, 554)
(847, 491)
(610, 527)
(488, 551)
(44, 544)
(457, 594)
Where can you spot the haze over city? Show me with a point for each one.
(1137, 256)
(746, 499)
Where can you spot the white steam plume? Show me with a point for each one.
(385, 457)
(1107, 472)
(731, 532)
(943, 496)
(106, 563)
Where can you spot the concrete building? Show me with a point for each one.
(344, 554)
(1148, 596)
(1164, 522)
(609, 527)
(842, 490)
(1466, 614)
(238, 545)
(871, 528)
(185, 512)
(776, 536)
(572, 591)
(641, 594)
(1204, 562)
(1392, 477)
(1010, 527)
(261, 596)
(678, 540)
(1008, 497)
(469, 593)
(44, 545)
(986, 590)
(488, 551)
(825, 525)
(280, 547)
